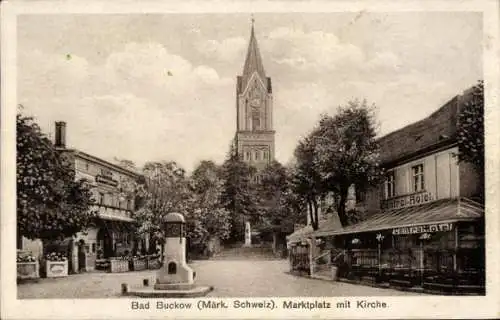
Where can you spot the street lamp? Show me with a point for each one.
(423, 237)
(380, 237)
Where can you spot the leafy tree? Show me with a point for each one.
(207, 217)
(237, 194)
(307, 181)
(278, 203)
(471, 131)
(165, 189)
(51, 203)
(346, 153)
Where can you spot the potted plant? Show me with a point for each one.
(119, 264)
(139, 263)
(153, 261)
(56, 265)
(27, 266)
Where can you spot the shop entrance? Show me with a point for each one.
(105, 242)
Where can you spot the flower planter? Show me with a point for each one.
(119, 265)
(56, 269)
(153, 263)
(140, 264)
(28, 270)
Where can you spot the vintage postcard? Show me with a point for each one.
(264, 159)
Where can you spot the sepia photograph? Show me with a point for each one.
(179, 160)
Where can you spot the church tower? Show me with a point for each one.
(254, 139)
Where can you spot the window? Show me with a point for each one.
(266, 155)
(418, 177)
(101, 198)
(360, 196)
(389, 185)
(256, 155)
(255, 121)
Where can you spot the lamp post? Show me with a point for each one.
(380, 238)
(423, 237)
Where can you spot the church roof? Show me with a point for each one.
(253, 61)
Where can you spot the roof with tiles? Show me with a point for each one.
(438, 128)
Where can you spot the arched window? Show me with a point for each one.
(255, 121)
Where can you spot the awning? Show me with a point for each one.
(437, 212)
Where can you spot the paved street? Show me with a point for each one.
(250, 278)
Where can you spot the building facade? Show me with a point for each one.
(112, 232)
(254, 139)
(424, 224)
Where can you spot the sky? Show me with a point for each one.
(148, 87)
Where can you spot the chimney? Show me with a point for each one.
(60, 134)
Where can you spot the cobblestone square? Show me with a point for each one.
(230, 278)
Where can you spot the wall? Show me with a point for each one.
(441, 179)
(440, 175)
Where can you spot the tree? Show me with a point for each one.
(165, 189)
(51, 203)
(471, 131)
(307, 182)
(346, 153)
(279, 205)
(237, 194)
(207, 217)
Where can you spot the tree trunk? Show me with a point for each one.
(314, 221)
(341, 208)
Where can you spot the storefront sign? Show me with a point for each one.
(106, 180)
(438, 227)
(408, 200)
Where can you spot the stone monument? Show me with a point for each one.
(176, 277)
(248, 235)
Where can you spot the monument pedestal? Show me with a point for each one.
(176, 278)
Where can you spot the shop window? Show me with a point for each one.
(390, 185)
(418, 177)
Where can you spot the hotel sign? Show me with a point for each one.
(408, 200)
(106, 180)
(437, 227)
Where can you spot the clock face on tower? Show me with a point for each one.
(255, 97)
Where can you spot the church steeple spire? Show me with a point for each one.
(253, 61)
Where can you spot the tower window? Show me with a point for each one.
(255, 121)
